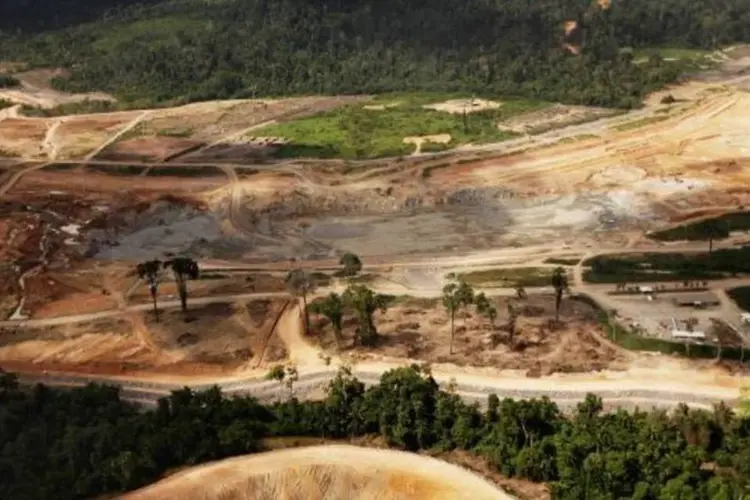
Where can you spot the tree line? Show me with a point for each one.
(177, 51)
(79, 443)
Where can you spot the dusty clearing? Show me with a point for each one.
(36, 90)
(556, 116)
(420, 329)
(334, 472)
(224, 337)
(147, 149)
(459, 106)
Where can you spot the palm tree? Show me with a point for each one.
(714, 229)
(365, 302)
(300, 284)
(521, 292)
(611, 315)
(560, 284)
(183, 268)
(455, 296)
(149, 272)
(352, 264)
(332, 307)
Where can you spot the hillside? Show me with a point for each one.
(155, 51)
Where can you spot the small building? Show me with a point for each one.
(687, 335)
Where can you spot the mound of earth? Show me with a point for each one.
(460, 106)
(332, 472)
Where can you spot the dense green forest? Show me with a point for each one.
(84, 442)
(148, 51)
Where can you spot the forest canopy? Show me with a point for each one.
(181, 50)
(85, 442)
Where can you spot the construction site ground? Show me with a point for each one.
(76, 222)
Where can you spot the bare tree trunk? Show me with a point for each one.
(453, 330)
(182, 290)
(156, 309)
(306, 314)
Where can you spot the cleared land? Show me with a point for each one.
(334, 472)
(420, 329)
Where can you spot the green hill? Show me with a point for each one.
(184, 50)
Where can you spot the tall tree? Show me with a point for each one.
(332, 307)
(352, 264)
(365, 302)
(455, 296)
(149, 271)
(183, 269)
(300, 284)
(611, 315)
(560, 284)
(512, 323)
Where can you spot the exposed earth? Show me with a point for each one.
(84, 198)
(324, 472)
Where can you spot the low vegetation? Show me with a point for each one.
(117, 170)
(4, 103)
(563, 261)
(690, 454)
(692, 231)
(8, 81)
(197, 171)
(509, 277)
(741, 295)
(668, 266)
(356, 132)
(640, 123)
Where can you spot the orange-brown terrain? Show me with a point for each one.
(106, 191)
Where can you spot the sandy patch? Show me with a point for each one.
(381, 107)
(336, 472)
(618, 175)
(459, 106)
(421, 139)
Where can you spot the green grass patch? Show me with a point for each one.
(510, 277)
(178, 132)
(696, 231)
(650, 120)
(667, 266)
(118, 170)
(562, 261)
(354, 132)
(197, 171)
